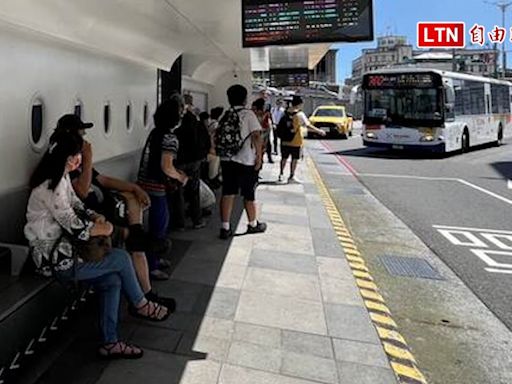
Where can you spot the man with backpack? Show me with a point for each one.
(238, 143)
(289, 130)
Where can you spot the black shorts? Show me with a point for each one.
(238, 178)
(294, 152)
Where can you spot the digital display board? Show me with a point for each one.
(289, 77)
(402, 80)
(284, 22)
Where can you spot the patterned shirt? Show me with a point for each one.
(49, 214)
(151, 177)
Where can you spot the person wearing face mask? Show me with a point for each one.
(157, 171)
(56, 218)
(93, 188)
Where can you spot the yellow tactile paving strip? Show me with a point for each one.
(399, 354)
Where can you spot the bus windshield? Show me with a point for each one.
(410, 106)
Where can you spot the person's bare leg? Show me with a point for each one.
(293, 167)
(134, 208)
(139, 259)
(226, 207)
(283, 164)
(140, 264)
(251, 210)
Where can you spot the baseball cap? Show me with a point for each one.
(70, 123)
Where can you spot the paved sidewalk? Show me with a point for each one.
(276, 308)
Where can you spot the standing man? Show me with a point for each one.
(239, 170)
(277, 113)
(293, 148)
(194, 145)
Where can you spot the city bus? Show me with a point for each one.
(434, 110)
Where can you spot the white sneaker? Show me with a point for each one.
(294, 180)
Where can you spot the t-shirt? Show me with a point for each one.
(151, 177)
(300, 121)
(249, 125)
(194, 140)
(277, 114)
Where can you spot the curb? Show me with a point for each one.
(399, 354)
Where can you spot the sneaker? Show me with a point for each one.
(158, 275)
(294, 180)
(200, 225)
(259, 228)
(225, 233)
(280, 179)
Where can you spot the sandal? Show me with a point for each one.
(120, 350)
(150, 311)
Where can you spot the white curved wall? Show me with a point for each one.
(59, 73)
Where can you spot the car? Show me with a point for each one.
(333, 120)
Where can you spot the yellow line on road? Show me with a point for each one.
(400, 356)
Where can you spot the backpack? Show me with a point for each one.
(228, 136)
(285, 130)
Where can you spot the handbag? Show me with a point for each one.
(93, 250)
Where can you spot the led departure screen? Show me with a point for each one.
(273, 22)
(404, 80)
(289, 77)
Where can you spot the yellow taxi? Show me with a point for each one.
(333, 120)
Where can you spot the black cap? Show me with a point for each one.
(70, 123)
(297, 100)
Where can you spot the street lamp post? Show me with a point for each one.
(503, 6)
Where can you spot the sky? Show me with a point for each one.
(400, 17)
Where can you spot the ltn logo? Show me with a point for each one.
(441, 35)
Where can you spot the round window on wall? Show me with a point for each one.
(37, 122)
(129, 116)
(106, 118)
(145, 114)
(78, 109)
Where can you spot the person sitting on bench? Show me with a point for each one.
(57, 220)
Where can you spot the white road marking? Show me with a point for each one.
(471, 239)
(473, 229)
(462, 181)
(486, 244)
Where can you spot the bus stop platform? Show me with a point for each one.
(281, 307)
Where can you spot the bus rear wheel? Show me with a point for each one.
(465, 141)
(500, 136)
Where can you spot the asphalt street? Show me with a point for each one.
(459, 206)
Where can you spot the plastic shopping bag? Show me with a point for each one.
(207, 197)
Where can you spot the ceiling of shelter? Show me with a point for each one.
(151, 32)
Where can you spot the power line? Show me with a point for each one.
(503, 6)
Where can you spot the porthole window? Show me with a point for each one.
(128, 116)
(37, 116)
(145, 114)
(106, 118)
(78, 109)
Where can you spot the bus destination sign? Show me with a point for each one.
(403, 80)
(284, 22)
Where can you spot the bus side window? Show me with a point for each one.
(449, 103)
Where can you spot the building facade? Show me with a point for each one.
(395, 51)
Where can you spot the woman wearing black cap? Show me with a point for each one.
(56, 217)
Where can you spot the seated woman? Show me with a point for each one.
(56, 216)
